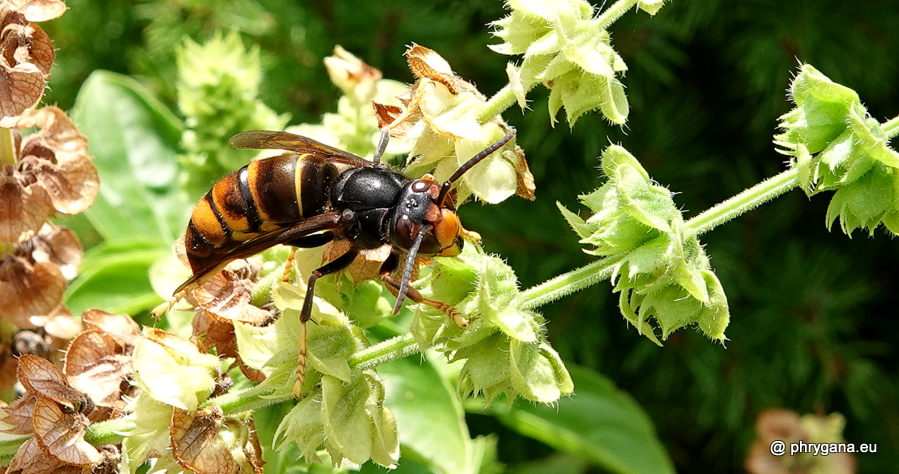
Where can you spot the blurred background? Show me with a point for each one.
(813, 317)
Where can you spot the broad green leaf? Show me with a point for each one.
(556, 463)
(600, 422)
(134, 140)
(429, 417)
(115, 277)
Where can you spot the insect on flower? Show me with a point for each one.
(316, 194)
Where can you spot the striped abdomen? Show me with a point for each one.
(260, 198)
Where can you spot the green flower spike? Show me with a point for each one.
(218, 88)
(660, 273)
(566, 46)
(840, 147)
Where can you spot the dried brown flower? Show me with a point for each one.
(97, 364)
(198, 446)
(26, 54)
(223, 299)
(51, 172)
(29, 459)
(42, 379)
(60, 435)
(121, 327)
(442, 113)
(33, 278)
(56, 414)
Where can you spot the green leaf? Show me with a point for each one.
(134, 141)
(115, 277)
(428, 416)
(601, 422)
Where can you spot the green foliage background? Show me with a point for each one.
(813, 319)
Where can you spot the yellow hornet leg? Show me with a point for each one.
(301, 364)
(166, 305)
(415, 296)
(288, 266)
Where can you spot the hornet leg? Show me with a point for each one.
(394, 287)
(335, 265)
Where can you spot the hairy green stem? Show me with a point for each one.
(109, 432)
(502, 100)
(614, 12)
(246, 400)
(891, 127)
(600, 270)
(745, 201)
(570, 282)
(395, 348)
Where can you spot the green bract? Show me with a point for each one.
(342, 409)
(346, 417)
(661, 273)
(840, 147)
(504, 347)
(566, 47)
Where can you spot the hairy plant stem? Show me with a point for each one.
(502, 100)
(395, 348)
(568, 283)
(891, 127)
(745, 201)
(614, 12)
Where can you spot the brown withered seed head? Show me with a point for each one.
(97, 364)
(26, 54)
(56, 414)
(29, 289)
(228, 294)
(60, 434)
(29, 458)
(197, 446)
(52, 173)
(33, 278)
(42, 379)
(221, 300)
(19, 413)
(120, 327)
